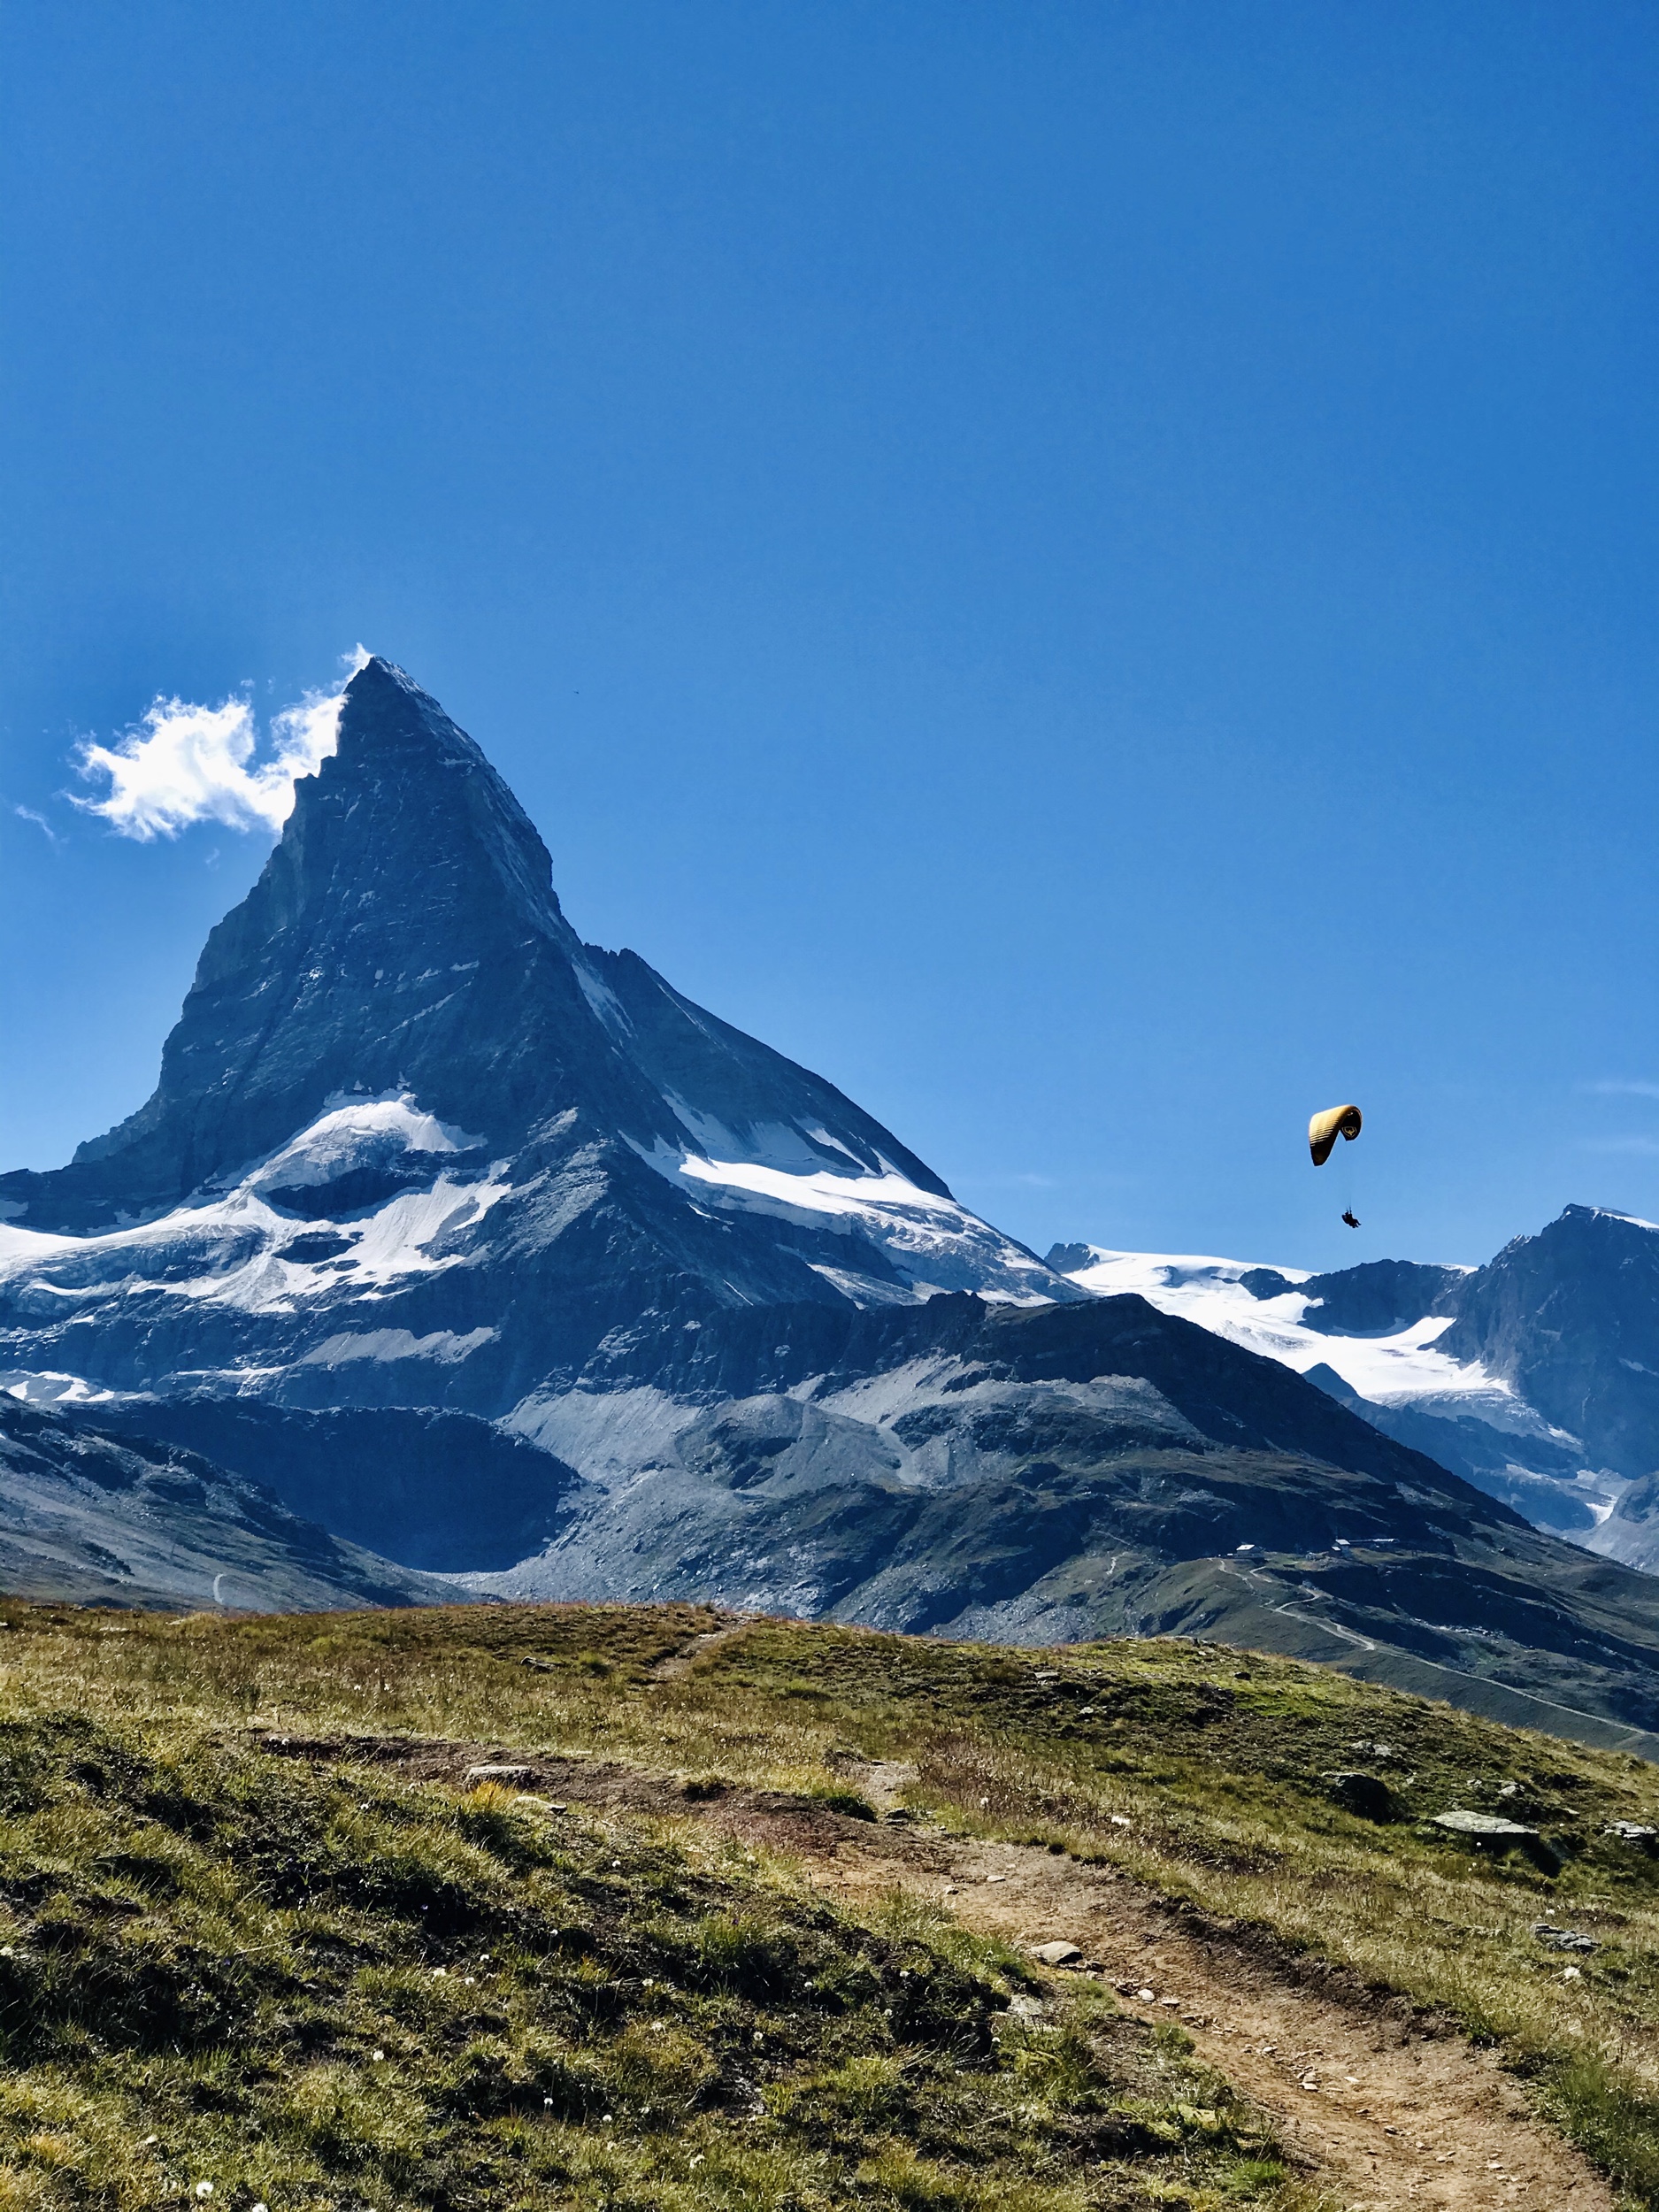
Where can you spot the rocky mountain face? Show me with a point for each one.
(1570, 1319)
(444, 1492)
(1045, 1474)
(98, 1519)
(487, 1250)
(801, 1454)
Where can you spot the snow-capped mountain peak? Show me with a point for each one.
(415, 1142)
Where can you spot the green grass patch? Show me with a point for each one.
(1214, 1776)
(318, 1986)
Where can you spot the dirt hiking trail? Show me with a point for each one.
(1383, 2108)
(681, 1662)
(1385, 2113)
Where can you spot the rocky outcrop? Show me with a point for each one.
(1570, 1319)
(1375, 1298)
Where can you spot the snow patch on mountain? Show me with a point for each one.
(783, 1146)
(353, 1132)
(392, 1344)
(49, 1387)
(242, 1250)
(933, 1243)
(601, 1000)
(1397, 1369)
(22, 1246)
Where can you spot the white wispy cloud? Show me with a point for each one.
(1644, 1147)
(185, 764)
(1635, 1089)
(27, 814)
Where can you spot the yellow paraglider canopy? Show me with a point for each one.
(1325, 1128)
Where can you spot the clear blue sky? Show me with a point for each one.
(1089, 571)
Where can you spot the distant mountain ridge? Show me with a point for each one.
(106, 1519)
(1535, 1377)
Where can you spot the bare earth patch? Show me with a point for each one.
(681, 1662)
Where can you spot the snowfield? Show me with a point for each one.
(1524, 1458)
(234, 1250)
(1390, 1369)
(932, 1242)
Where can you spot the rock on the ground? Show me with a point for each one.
(1483, 1825)
(1361, 1793)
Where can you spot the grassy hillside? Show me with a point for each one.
(204, 1945)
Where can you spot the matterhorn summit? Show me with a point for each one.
(415, 1143)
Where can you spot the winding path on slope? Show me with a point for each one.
(1389, 2110)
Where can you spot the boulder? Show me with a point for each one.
(1362, 1794)
(1487, 1833)
(1486, 1826)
